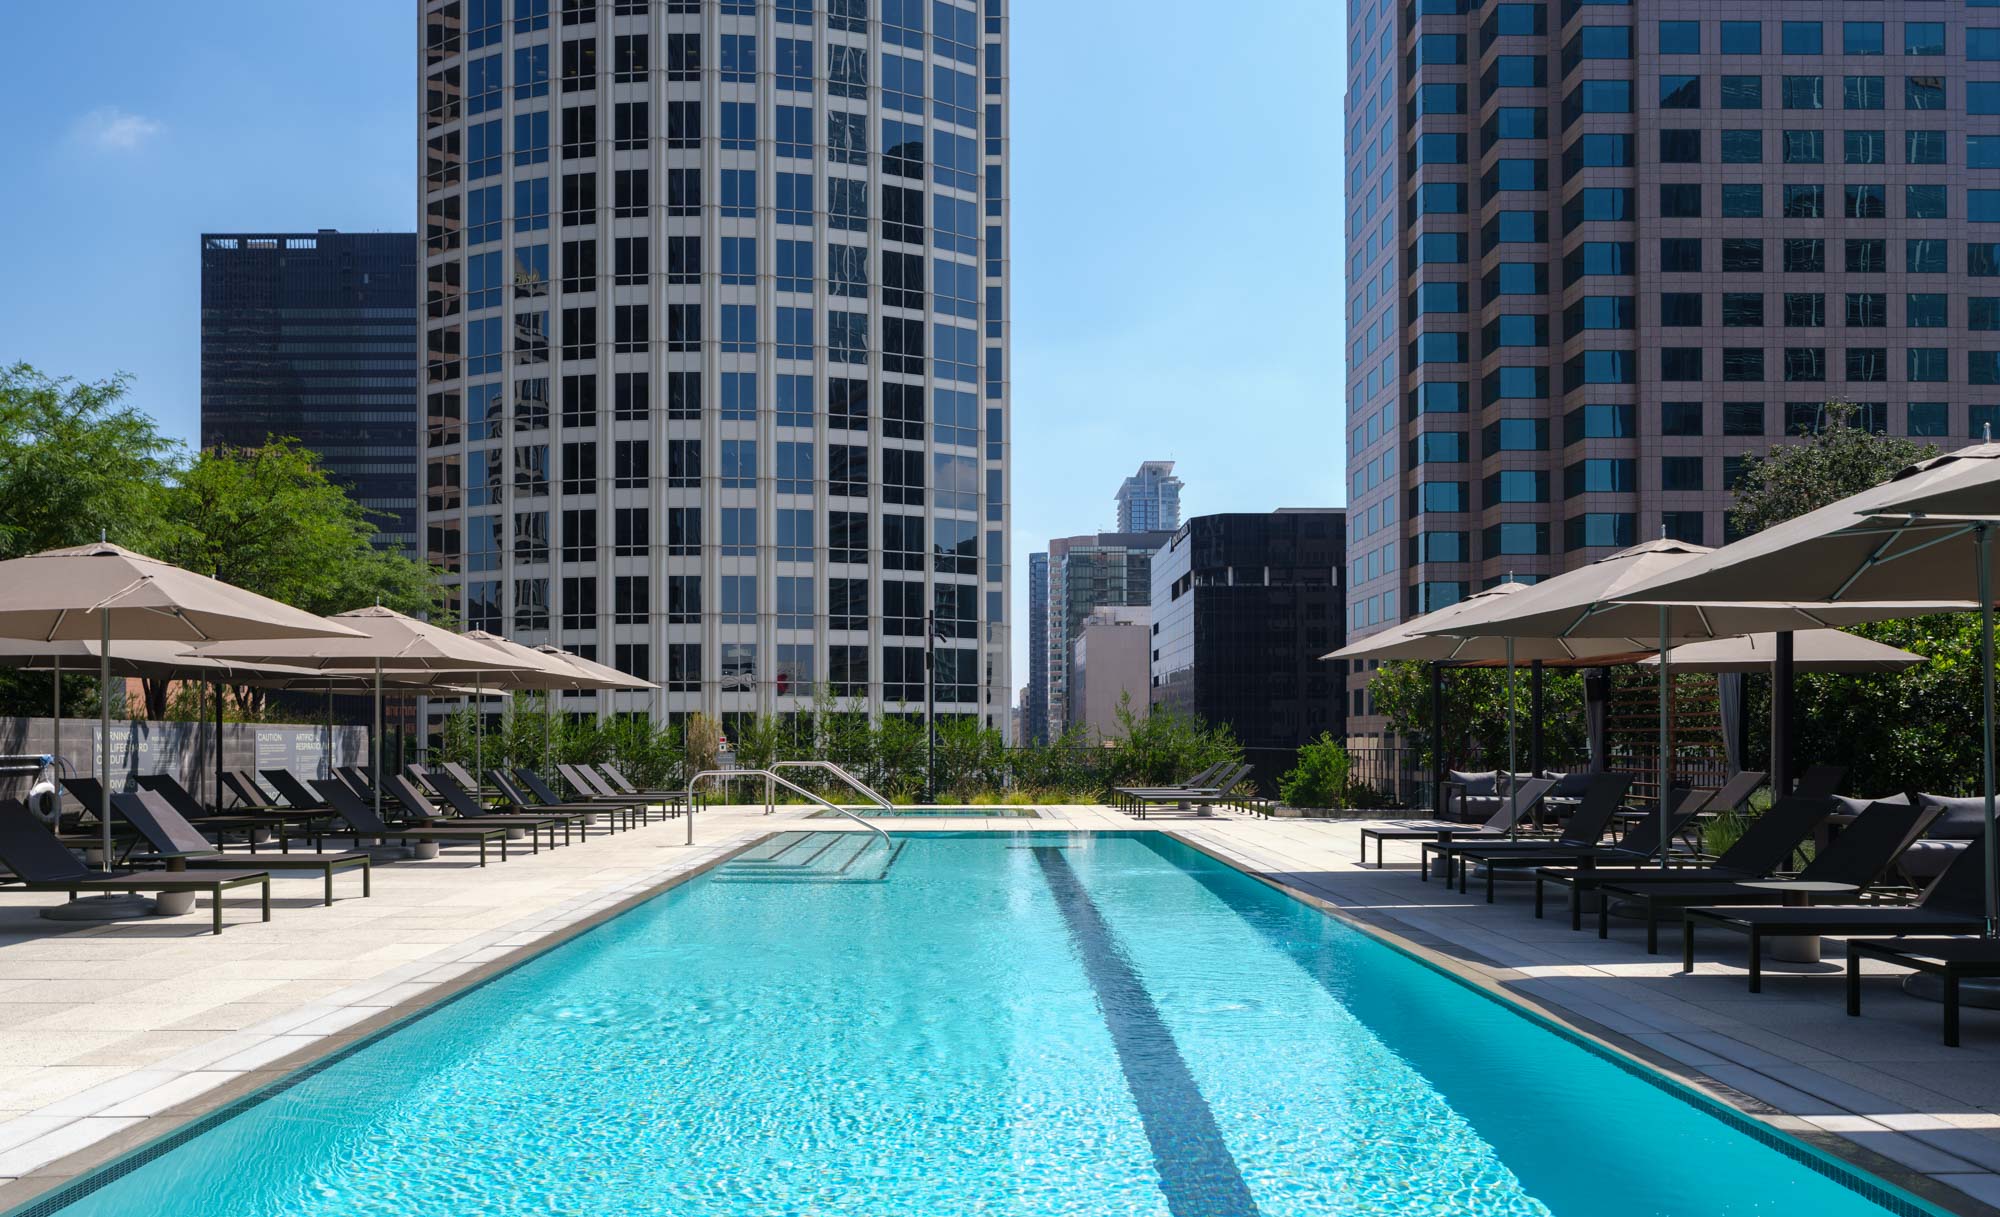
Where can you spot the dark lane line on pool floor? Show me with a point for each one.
(1197, 1172)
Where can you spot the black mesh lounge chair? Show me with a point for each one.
(1819, 781)
(363, 825)
(296, 794)
(463, 777)
(1637, 848)
(1949, 959)
(356, 779)
(1859, 858)
(1586, 827)
(417, 808)
(181, 844)
(43, 864)
(1733, 795)
(1955, 903)
(1201, 781)
(243, 787)
(521, 799)
(1220, 792)
(675, 801)
(248, 823)
(544, 795)
(460, 800)
(586, 781)
(1764, 847)
(1510, 813)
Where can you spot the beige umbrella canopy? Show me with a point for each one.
(385, 640)
(1815, 650)
(1921, 542)
(106, 591)
(1408, 640)
(608, 678)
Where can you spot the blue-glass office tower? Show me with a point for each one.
(1599, 253)
(314, 335)
(716, 382)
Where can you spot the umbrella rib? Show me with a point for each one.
(1875, 558)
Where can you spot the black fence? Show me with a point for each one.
(1393, 775)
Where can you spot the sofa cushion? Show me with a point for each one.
(1926, 859)
(1476, 783)
(1958, 819)
(1569, 785)
(1855, 806)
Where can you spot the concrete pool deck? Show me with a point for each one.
(114, 1033)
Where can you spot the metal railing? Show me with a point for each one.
(1394, 771)
(862, 788)
(771, 779)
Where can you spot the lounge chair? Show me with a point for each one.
(1858, 858)
(180, 844)
(1819, 781)
(1501, 822)
(1948, 959)
(1955, 903)
(460, 800)
(297, 795)
(249, 793)
(1766, 844)
(521, 799)
(544, 796)
(1585, 827)
(675, 800)
(1639, 847)
(1187, 799)
(43, 864)
(1733, 795)
(590, 781)
(418, 809)
(218, 822)
(364, 825)
(1200, 781)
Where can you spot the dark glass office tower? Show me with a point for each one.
(1243, 607)
(314, 336)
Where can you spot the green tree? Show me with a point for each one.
(1320, 777)
(1915, 729)
(1475, 713)
(1840, 458)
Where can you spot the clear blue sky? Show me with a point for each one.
(1176, 192)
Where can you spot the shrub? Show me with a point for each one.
(1320, 777)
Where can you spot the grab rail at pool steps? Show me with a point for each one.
(860, 787)
(770, 778)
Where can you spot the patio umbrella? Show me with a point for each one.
(538, 672)
(1815, 650)
(104, 591)
(1430, 637)
(383, 639)
(590, 674)
(151, 658)
(1593, 602)
(1918, 543)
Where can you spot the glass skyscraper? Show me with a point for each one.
(1599, 252)
(313, 336)
(717, 345)
(1150, 500)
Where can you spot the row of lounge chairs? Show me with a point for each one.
(1215, 786)
(1748, 888)
(166, 842)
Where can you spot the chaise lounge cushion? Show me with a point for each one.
(1958, 819)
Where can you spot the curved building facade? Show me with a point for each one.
(717, 342)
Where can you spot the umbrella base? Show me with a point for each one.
(1983, 992)
(121, 907)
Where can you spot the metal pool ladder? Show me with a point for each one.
(771, 779)
(861, 788)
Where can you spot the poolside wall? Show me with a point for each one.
(184, 749)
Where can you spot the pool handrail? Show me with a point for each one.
(769, 778)
(863, 789)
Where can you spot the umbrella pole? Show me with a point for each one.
(1513, 786)
(218, 746)
(1666, 756)
(1988, 844)
(55, 725)
(479, 727)
(375, 745)
(105, 737)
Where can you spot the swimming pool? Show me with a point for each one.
(1032, 1024)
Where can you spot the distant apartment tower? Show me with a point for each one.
(717, 380)
(1108, 671)
(1150, 500)
(1243, 606)
(314, 335)
(1598, 253)
(1088, 572)
(1035, 700)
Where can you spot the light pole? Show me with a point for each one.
(931, 637)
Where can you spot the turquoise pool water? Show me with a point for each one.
(1033, 1025)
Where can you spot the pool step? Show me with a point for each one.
(812, 857)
